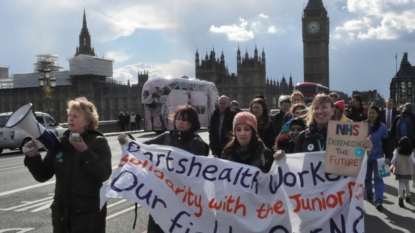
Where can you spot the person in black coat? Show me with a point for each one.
(80, 167)
(183, 136)
(266, 130)
(386, 116)
(357, 112)
(121, 121)
(127, 121)
(220, 126)
(408, 110)
(138, 121)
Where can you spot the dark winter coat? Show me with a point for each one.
(261, 157)
(267, 134)
(357, 114)
(393, 130)
(216, 144)
(278, 119)
(79, 177)
(309, 141)
(138, 119)
(127, 119)
(122, 119)
(188, 141)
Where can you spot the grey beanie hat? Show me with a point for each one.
(408, 107)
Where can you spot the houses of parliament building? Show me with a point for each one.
(250, 80)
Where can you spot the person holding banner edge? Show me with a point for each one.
(314, 137)
(245, 146)
(183, 136)
(379, 136)
(80, 167)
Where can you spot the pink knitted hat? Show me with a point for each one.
(340, 104)
(246, 118)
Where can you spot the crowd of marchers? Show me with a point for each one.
(252, 137)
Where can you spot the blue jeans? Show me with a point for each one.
(372, 168)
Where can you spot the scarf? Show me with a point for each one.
(249, 155)
(263, 122)
(316, 132)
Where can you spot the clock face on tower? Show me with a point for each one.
(313, 27)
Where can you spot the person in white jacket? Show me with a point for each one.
(403, 161)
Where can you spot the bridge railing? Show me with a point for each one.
(105, 126)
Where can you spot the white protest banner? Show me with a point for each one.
(188, 193)
(345, 147)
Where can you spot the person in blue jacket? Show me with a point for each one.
(379, 136)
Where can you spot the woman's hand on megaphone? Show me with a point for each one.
(31, 148)
(79, 145)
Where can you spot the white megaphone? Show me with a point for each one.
(24, 119)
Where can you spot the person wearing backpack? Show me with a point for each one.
(404, 125)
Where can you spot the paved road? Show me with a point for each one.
(24, 203)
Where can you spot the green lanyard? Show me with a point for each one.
(319, 145)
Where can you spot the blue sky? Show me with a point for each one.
(162, 36)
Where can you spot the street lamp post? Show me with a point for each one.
(46, 64)
(48, 81)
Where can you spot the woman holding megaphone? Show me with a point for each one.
(81, 163)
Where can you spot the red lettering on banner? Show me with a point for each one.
(360, 191)
(274, 209)
(331, 201)
(135, 161)
(355, 130)
(124, 160)
(229, 205)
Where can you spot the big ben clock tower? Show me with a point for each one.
(316, 36)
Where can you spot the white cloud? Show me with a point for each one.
(175, 68)
(263, 16)
(118, 56)
(234, 32)
(379, 19)
(117, 22)
(272, 29)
